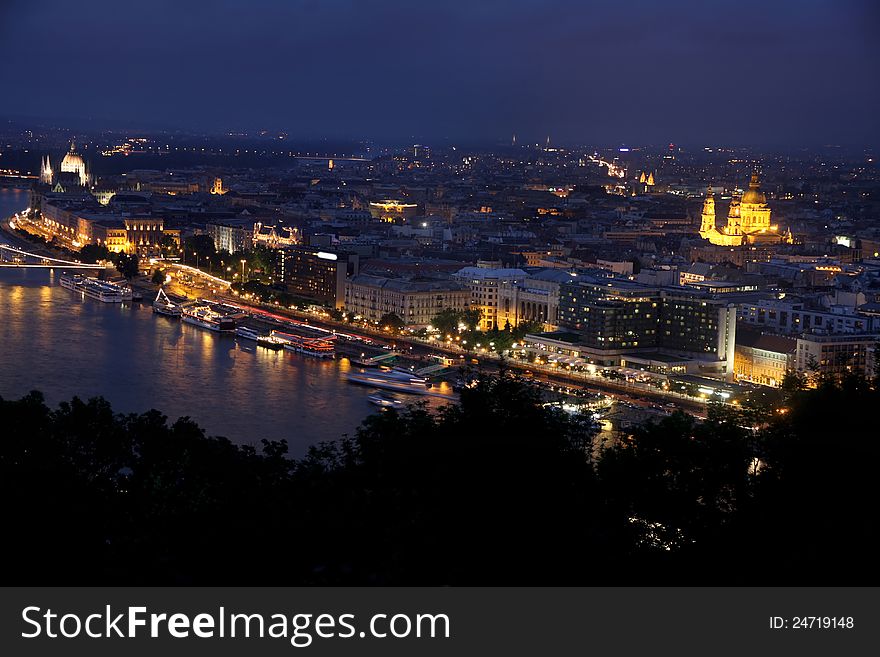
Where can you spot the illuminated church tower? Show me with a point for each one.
(707, 223)
(748, 220)
(45, 171)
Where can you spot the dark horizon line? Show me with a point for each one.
(246, 132)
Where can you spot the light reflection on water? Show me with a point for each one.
(64, 345)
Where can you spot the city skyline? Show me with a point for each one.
(445, 294)
(786, 75)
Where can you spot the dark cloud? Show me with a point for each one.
(785, 72)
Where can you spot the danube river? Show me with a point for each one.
(64, 345)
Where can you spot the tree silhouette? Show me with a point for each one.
(391, 322)
(497, 489)
(92, 253)
(128, 264)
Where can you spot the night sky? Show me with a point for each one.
(786, 72)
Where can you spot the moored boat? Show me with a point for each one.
(206, 318)
(270, 342)
(310, 346)
(267, 341)
(71, 281)
(385, 400)
(162, 305)
(391, 380)
(94, 288)
(247, 333)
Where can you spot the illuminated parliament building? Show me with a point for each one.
(74, 172)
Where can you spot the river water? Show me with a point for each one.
(63, 345)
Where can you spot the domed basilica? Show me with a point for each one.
(748, 220)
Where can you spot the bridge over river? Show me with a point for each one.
(11, 256)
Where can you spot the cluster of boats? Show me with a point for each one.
(94, 288)
(196, 314)
(322, 347)
(384, 380)
(206, 317)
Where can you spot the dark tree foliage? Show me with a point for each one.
(446, 321)
(92, 253)
(169, 245)
(494, 490)
(201, 246)
(127, 264)
(391, 322)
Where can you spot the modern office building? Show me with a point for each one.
(619, 322)
(318, 273)
(836, 354)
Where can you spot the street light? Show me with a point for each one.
(243, 261)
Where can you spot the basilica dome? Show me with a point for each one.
(754, 195)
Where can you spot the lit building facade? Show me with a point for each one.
(392, 211)
(217, 188)
(73, 163)
(748, 219)
(763, 358)
(484, 284)
(73, 171)
(83, 224)
(836, 354)
(46, 173)
(231, 238)
(532, 299)
(144, 234)
(618, 320)
(317, 273)
(416, 302)
(110, 234)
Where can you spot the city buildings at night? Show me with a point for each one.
(454, 295)
(621, 323)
